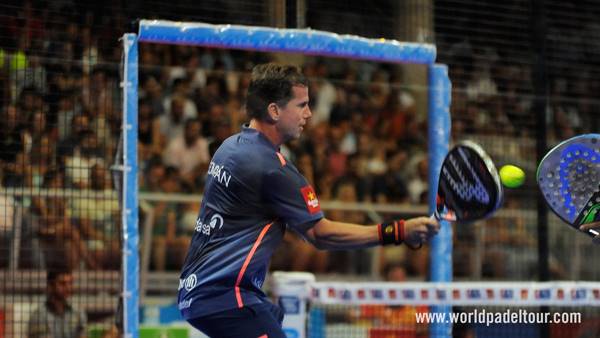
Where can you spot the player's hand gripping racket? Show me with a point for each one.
(569, 178)
(469, 187)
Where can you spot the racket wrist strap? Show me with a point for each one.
(391, 232)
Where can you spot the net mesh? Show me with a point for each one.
(58, 68)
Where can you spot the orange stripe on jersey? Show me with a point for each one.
(238, 295)
(281, 159)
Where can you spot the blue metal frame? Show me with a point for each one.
(439, 139)
(297, 41)
(131, 264)
(267, 39)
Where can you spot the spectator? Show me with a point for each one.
(7, 212)
(149, 138)
(66, 111)
(188, 152)
(180, 93)
(154, 173)
(171, 123)
(419, 184)
(79, 127)
(43, 157)
(11, 135)
(98, 217)
(222, 131)
(153, 92)
(51, 222)
(393, 184)
(56, 317)
(87, 154)
(355, 261)
(170, 241)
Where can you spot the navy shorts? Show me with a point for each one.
(262, 320)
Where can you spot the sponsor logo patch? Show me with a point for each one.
(312, 203)
(189, 283)
(216, 222)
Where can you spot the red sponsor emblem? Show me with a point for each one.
(312, 203)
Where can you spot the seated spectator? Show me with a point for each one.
(149, 139)
(222, 131)
(50, 220)
(98, 218)
(11, 135)
(78, 126)
(188, 153)
(7, 212)
(56, 317)
(393, 183)
(43, 157)
(419, 184)
(154, 173)
(171, 123)
(180, 91)
(169, 243)
(17, 174)
(86, 154)
(353, 261)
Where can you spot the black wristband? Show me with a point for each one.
(390, 233)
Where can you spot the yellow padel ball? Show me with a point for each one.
(512, 176)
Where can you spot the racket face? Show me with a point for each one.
(569, 178)
(469, 186)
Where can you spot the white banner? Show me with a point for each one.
(459, 293)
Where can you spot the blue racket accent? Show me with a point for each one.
(569, 178)
(570, 155)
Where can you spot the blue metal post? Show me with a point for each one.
(439, 136)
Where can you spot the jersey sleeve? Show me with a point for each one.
(292, 199)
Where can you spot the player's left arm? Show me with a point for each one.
(590, 226)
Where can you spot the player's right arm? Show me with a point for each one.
(328, 234)
(590, 226)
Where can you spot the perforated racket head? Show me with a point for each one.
(469, 186)
(569, 178)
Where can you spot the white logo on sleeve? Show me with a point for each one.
(216, 221)
(189, 283)
(219, 173)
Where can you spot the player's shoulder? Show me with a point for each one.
(257, 149)
(251, 153)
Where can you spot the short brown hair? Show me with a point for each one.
(271, 83)
(53, 273)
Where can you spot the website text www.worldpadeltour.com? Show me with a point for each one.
(508, 316)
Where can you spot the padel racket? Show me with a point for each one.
(569, 178)
(469, 187)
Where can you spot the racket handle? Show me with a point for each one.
(447, 216)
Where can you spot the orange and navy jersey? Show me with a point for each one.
(252, 195)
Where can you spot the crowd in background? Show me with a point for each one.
(366, 142)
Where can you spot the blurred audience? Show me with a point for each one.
(366, 142)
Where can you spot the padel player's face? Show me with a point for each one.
(295, 114)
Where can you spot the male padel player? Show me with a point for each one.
(252, 194)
